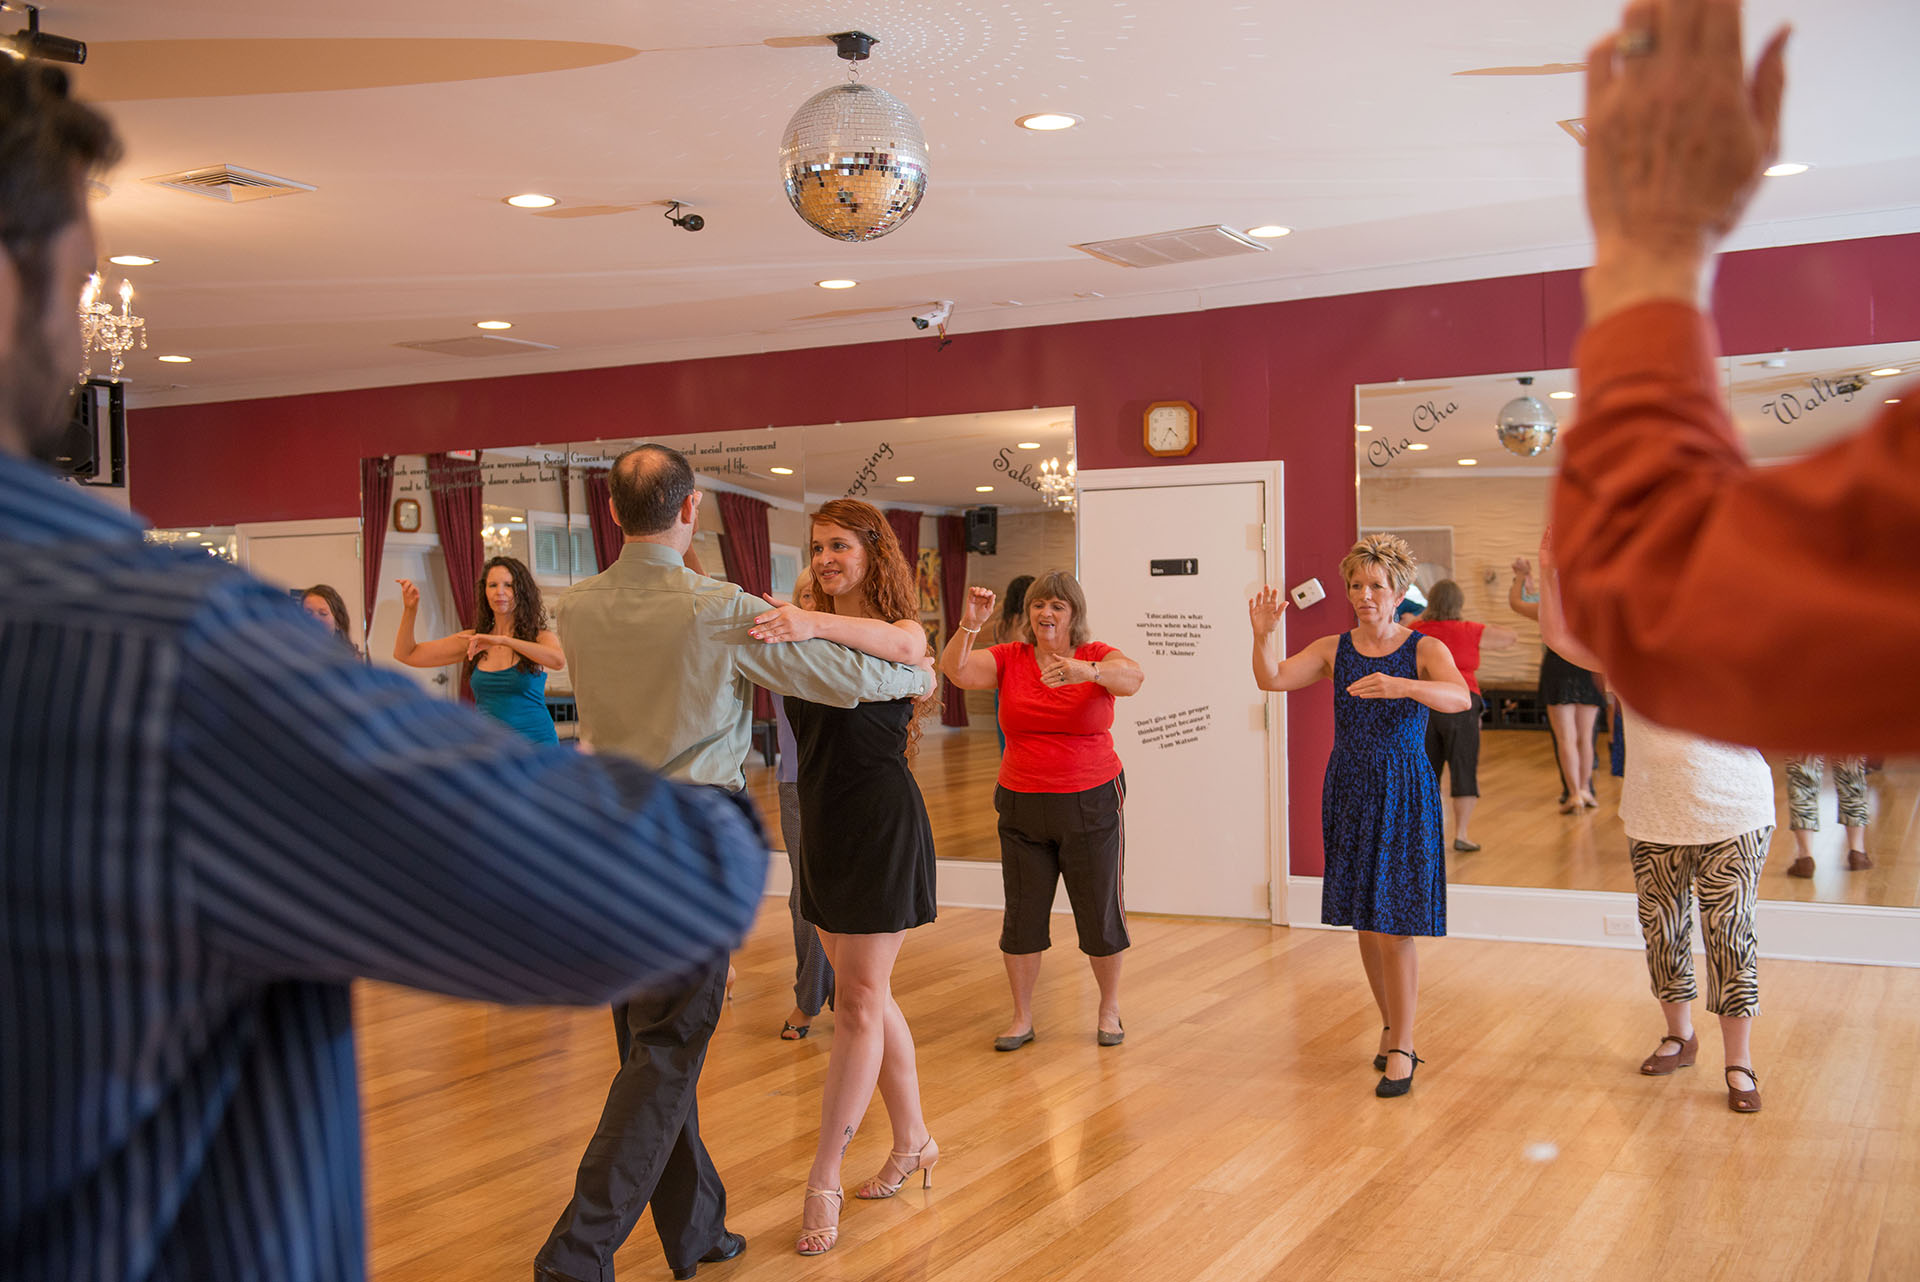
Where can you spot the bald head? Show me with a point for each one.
(650, 484)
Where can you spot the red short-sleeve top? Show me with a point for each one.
(1058, 740)
(1462, 639)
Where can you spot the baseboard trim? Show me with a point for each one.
(1848, 933)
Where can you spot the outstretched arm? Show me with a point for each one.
(964, 667)
(899, 641)
(1272, 673)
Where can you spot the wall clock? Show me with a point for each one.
(1171, 428)
(406, 515)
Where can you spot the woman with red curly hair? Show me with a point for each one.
(866, 873)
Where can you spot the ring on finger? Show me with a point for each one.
(1635, 42)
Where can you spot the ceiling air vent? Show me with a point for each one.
(230, 183)
(1191, 245)
(479, 345)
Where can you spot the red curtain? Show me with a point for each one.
(952, 532)
(745, 543)
(608, 537)
(454, 484)
(376, 497)
(906, 528)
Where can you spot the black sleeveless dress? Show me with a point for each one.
(867, 865)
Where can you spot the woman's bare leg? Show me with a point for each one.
(1023, 971)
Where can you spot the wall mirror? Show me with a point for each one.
(1430, 467)
(545, 504)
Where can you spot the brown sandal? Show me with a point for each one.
(1743, 1101)
(1658, 1065)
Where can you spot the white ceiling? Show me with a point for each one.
(414, 118)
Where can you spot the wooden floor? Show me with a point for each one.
(1234, 1137)
(1525, 839)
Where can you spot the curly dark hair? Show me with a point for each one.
(529, 614)
(888, 586)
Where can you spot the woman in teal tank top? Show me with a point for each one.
(504, 656)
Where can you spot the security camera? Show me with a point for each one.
(935, 315)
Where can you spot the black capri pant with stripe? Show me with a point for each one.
(1078, 836)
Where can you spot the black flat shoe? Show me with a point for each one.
(1380, 1060)
(794, 1032)
(1013, 1043)
(729, 1245)
(1393, 1088)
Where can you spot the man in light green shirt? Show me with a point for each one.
(663, 670)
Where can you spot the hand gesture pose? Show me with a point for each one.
(1522, 568)
(978, 608)
(479, 642)
(1378, 685)
(1058, 670)
(409, 594)
(1264, 611)
(785, 623)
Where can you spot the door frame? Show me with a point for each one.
(1270, 473)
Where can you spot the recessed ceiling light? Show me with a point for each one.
(178, 360)
(1418, 445)
(983, 489)
(836, 284)
(1049, 121)
(1560, 396)
(1271, 231)
(1786, 169)
(532, 200)
(194, 534)
(518, 520)
(1029, 445)
(1469, 462)
(133, 260)
(206, 543)
(781, 471)
(493, 324)
(1362, 427)
(1888, 372)
(903, 479)
(1893, 400)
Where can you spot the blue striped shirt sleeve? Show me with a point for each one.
(333, 821)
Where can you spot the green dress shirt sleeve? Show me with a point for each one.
(819, 671)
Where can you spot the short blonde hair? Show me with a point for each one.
(1388, 553)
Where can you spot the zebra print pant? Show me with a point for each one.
(1803, 791)
(1727, 874)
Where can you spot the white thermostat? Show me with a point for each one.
(1307, 593)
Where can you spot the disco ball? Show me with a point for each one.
(854, 162)
(1526, 427)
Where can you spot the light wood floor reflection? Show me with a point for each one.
(1526, 841)
(1233, 1138)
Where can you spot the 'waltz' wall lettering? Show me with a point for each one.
(1788, 406)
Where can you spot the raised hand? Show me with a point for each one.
(978, 608)
(784, 623)
(409, 594)
(1522, 567)
(1378, 685)
(1264, 610)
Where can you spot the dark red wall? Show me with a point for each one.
(1271, 382)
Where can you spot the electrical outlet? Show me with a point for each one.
(1620, 924)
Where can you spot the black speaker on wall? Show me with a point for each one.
(93, 450)
(983, 530)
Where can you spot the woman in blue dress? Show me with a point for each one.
(505, 654)
(1380, 805)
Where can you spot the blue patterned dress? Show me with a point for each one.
(1380, 806)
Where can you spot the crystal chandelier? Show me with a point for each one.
(104, 333)
(853, 158)
(1057, 488)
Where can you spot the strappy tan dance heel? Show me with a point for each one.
(877, 1188)
(819, 1241)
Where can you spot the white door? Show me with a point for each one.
(1167, 570)
(423, 563)
(296, 561)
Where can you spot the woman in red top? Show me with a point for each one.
(1453, 738)
(1061, 786)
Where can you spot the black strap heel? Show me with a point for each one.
(1392, 1088)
